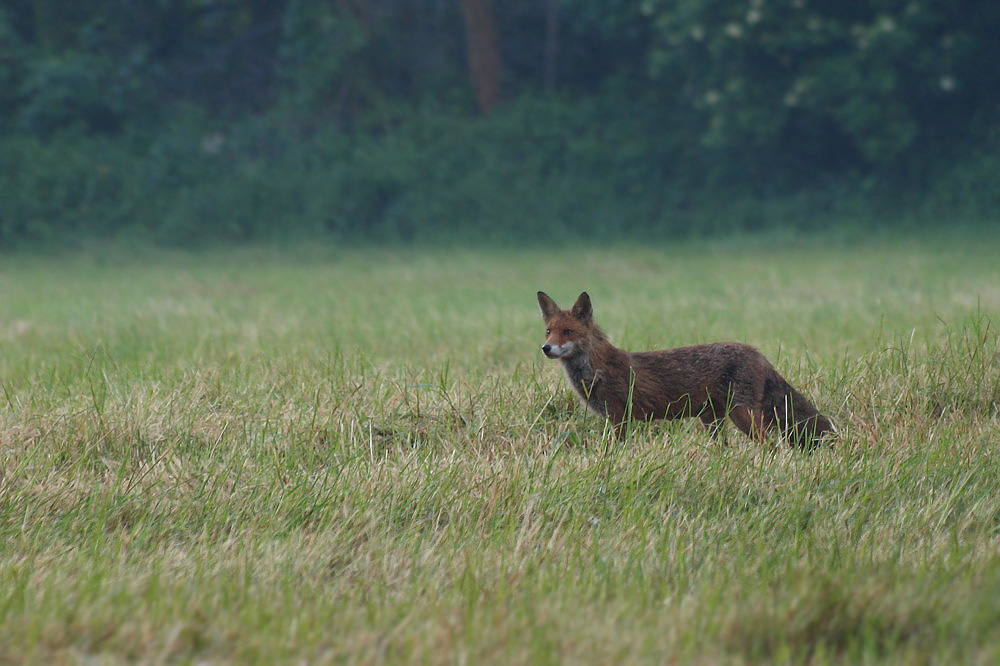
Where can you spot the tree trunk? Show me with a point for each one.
(483, 44)
(551, 44)
(57, 24)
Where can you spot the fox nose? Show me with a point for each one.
(546, 348)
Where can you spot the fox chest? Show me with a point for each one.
(592, 386)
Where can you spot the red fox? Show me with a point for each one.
(709, 381)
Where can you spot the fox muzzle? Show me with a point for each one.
(558, 351)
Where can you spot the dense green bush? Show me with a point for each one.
(541, 171)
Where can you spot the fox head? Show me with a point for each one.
(565, 329)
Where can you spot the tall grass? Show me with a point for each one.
(335, 456)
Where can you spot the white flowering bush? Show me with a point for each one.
(859, 80)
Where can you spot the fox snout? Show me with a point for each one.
(557, 351)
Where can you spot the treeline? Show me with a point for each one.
(464, 120)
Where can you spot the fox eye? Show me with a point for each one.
(567, 331)
(548, 331)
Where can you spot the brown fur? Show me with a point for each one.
(708, 381)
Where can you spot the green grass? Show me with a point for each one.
(362, 457)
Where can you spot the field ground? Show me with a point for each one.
(323, 455)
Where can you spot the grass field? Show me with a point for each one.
(331, 456)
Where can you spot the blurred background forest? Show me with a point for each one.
(193, 121)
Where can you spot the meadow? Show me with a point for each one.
(361, 456)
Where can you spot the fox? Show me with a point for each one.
(711, 381)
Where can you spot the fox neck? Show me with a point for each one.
(585, 368)
(580, 373)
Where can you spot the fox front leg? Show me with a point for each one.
(715, 425)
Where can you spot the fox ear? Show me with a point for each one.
(582, 309)
(546, 305)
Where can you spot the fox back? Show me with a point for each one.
(709, 381)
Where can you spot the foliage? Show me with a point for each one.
(199, 121)
(581, 172)
(839, 83)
